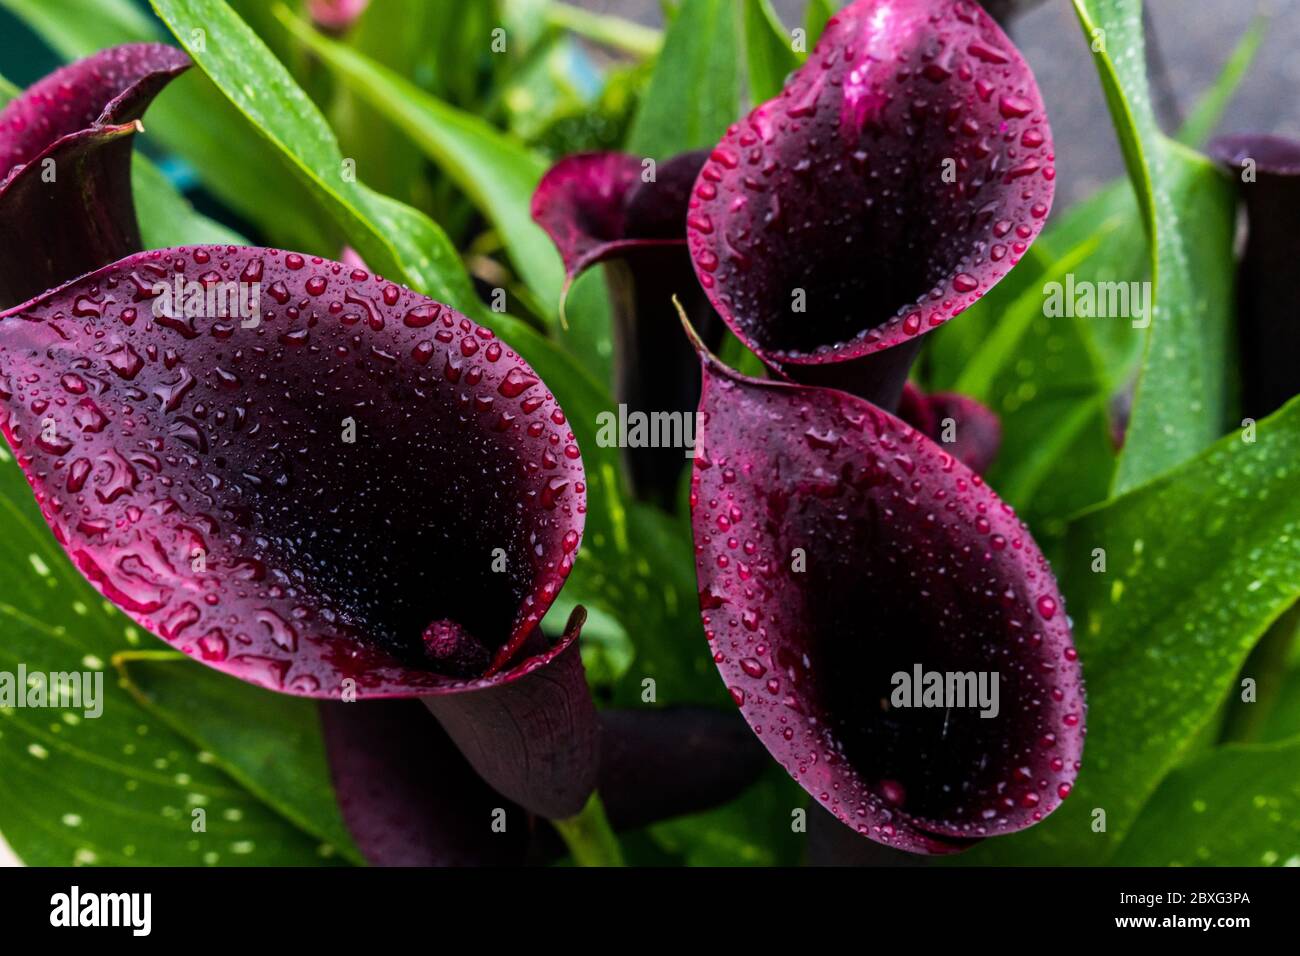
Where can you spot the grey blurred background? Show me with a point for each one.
(1192, 38)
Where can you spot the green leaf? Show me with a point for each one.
(1047, 383)
(167, 218)
(752, 830)
(7, 91)
(1198, 564)
(1237, 806)
(694, 92)
(769, 52)
(269, 743)
(616, 32)
(497, 173)
(816, 17)
(75, 31)
(1209, 109)
(121, 788)
(1180, 194)
(393, 238)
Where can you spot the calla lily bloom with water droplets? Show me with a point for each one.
(626, 212)
(321, 483)
(900, 174)
(289, 469)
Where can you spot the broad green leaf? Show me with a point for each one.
(1236, 806)
(769, 53)
(1180, 195)
(167, 218)
(1110, 218)
(192, 119)
(694, 92)
(1198, 564)
(393, 238)
(121, 788)
(269, 743)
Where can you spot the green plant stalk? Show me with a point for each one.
(589, 837)
(608, 30)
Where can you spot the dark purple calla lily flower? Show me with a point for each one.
(322, 483)
(290, 469)
(605, 208)
(838, 547)
(65, 148)
(1268, 329)
(900, 174)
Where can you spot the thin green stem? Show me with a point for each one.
(589, 837)
(607, 30)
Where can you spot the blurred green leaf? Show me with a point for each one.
(395, 32)
(1045, 380)
(7, 91)
(769, 53)
(752, 830)
(1237, 806)
(694, 92)
(816, 17)
(121, 788)
(167, 218)
(76, 29)
(1209, 109)
(615, 32)
(497, 173)
(269, 743)
(393, 238)
(1198, 564)
(1180, 194)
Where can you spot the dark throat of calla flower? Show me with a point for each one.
(899, 175)
(1267, 171)
(839, 548)
(65, 163)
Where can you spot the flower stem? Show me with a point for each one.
(589, 836)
